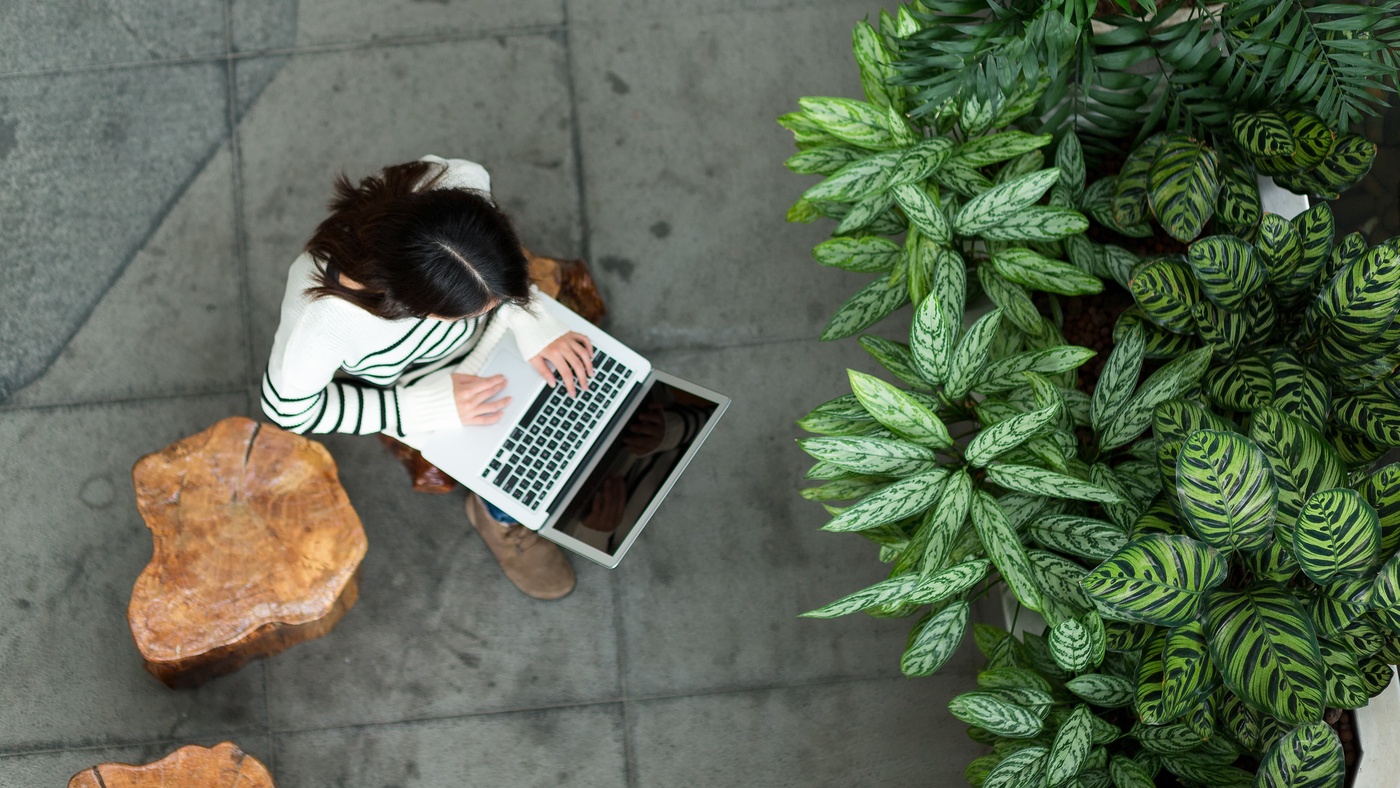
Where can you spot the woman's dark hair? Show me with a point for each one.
(417, 251)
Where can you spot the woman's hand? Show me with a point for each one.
(473, 397)
(572, 355)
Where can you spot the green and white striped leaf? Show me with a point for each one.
(949, 582)
(1002, 202)
(993, 148)
(879, 456)
(944, 522)
(1226, 270)
(856, 122)
(1309, 755)
(1070, 646)
(1069, 157)
(1118, 378)
(1013, 301)
(845, 489)
(1156, 579)
(867, 255)
(961, 178)
(990, 712)
(1301, 459)
(950, 285)
(1038, 481)
(864, 212)
(1337, 536)
(1226, 490)
(1061, 579)
(1003, 546)
(1079, 536)
(923, 212)
(936, 642)
(1187, 671)
(883, 592)
(1299, 390)
(1172, 380)
(1033, 270)
(1263, 133)
(876, 73)
(898, 411)
(931, 339)
(895, 357)
(920, 162)
(1071, 746)
(1128, 773)
(1266, 650)
(1009, 373)
(1006, 435)
(1037, 223)
(824, 159)
(872, 304)
(1165, 289)
(1102, 689)
(856, 181)
(1182, 186)
(970, 356)
(895, 502)
(1025, 766)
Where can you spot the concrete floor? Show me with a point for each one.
(162, 163)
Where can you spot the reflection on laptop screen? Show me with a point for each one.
(635, 467)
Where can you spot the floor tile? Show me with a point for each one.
(593, 11)
(880, 732)
(438, 629)
(712, 589)
(173, 322)
(67, 33)
(502, 102)
(55, 768)
(686, 191)
(71, 545)
(264, 24)
(90, 164)
(580, 746)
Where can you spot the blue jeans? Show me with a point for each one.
(498, 514)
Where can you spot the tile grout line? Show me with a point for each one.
(135, 399)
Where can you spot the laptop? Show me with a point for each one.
(586, 472)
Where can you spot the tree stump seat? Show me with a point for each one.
(256, 549)
(221, 766)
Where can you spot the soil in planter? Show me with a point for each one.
(1343, 721)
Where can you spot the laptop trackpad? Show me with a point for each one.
(523, 385)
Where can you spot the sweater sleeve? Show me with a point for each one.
(462, 174)
(301, 394)
(532, 327)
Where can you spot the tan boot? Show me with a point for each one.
(536, 566)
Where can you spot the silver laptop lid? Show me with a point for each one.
(624, 484)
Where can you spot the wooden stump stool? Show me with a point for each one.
(256, 549)
(223, 766)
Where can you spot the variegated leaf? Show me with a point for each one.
(856, 181)
(867, 255)
(1002, 202)
(1307, 755)
(1182, 186)
(1006, 435)
(1038, 481)
(989, 711)
(872, 455)
(944, 522)
(1165, 289)
(1226, 490)
(1245, 385)
(1263, 133)
(1316, 228)
(1187, 671)
(1172, 380)
(1374, 414)
(1028, 268)
(824, 159)
(1037, 223)
(898, 411)
(1130, 187)
(993, 148)
(1156, 579)
(1347, 163)
(1118, 378)
(892, 503)
(920, 162)
(881, 593)
(1225, 333)
(1079, 536)
(1358, 304)
(1299, 390)
(1227, 270)
(1011, 299)
(873, 303)
(1070, 646)
(1009, 373)
(1071, 747)
(1301, 459)
(970, 356)
(856, 122)
(1102, 689)
(1004, 547)
(1337, 536)
(922, 209)
(1266, 650)
(895, 357)
(936, 642)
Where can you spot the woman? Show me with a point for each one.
(412, 270)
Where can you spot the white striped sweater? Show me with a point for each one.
(337, 368)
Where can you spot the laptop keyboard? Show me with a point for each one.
(552, 431)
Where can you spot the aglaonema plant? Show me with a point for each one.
(1264, 586)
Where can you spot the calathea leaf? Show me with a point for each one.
(1038, 481)
(883, 592)
(856, 181)
(900, 413)
(824, 159)
(1301, 459)
(936, 642)
(1358, 304)
(853, 121)
(1130, 187)
(1381, 489)
(1239, 206)
(1129, 507)
(1151, 671)
(1312, 140)
(1071, 747)
(1226, 270)
(1348, 162)
(944, 522)
(1226, 490)
(1346, 688)
(1377, 675)
(1372, 413)
(1000, 203)
(1004, 547)
(873, 303)
(1028, 268)
(1156, 579)
(1263, 133)
(1165, 289)
(922, 209)
(1166, 739)
(970, 356)
(1337, 536)
(1182, 186)
(989, 711)
(1264, 646)
(1079, 536)
(895, 502)
(1316, 228)
(1384, 595)
(1161, 343)
(1225, 333)
(1006, 435)
(918, 163)
(867, 255)
(1347, 251)
(1307, 755)
(1336, 606)
(1299, 390)
(1244, 386)
(1177, 377)
(872, 455)
(895, 357)
(1187, 671)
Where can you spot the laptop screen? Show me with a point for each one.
(616, 494)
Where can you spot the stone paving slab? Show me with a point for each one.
(882, 732)
(581, 746)
(259, 24)
(439, 630)
(71, 546)
(173, 322)
(53, 769)
(56, 34)
(686, 191)
(360, 110)
(89, 165)
(711, 591)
